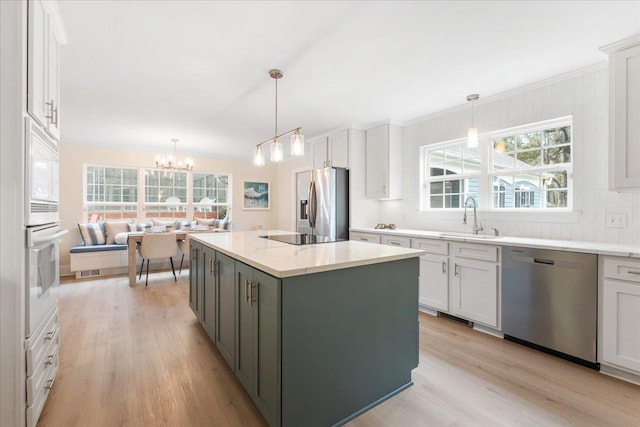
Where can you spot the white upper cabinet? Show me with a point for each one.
(46, 35)
(332, 150)
(624, 111)
(383, 168)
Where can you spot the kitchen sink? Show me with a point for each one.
(468, 235)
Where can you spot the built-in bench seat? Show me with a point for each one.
(88, 260)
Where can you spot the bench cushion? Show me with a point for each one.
(97, 248)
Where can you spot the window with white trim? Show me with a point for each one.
(528, 167)
(210, 195)
(165, 193)
(111, 192)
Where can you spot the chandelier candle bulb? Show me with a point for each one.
(170, 163)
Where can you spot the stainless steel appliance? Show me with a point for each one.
(42, 195)
(323, 209)
(550, 300)
(43, 272)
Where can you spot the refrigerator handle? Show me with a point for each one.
(313, 204)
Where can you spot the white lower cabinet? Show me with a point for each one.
(621, 314)
(474, 283)
(474, 290)
(433, 288)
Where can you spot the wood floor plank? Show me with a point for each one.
(138, 357)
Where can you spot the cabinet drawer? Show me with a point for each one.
(475, 251)
(365, 237)
(38, 344)
(404, 242)
(42, 380)
(432, 246)
(622, 269)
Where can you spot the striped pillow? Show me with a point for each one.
(140, 226)
(93, 233)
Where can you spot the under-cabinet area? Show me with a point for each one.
(308, 347)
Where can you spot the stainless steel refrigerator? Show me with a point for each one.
(322, 206)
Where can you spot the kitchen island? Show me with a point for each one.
(316, 334)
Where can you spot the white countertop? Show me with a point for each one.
(564, 245)
(285, 260)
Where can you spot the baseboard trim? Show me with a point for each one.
(620, 374)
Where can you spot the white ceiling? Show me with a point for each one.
(136, 74)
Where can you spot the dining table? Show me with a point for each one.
(134, 238)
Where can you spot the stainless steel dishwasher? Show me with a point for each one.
(550, 300)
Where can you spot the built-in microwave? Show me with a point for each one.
(41, 180)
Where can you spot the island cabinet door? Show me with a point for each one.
(258, 340)
(194, 276)
(226, 308)
(244, 339)
(208, 312)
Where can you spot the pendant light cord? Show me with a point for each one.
(276, 125)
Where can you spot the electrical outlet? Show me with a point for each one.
(617, 220)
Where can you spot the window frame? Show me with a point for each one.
(487, 172)
(184, 209)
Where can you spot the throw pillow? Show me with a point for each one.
(203, 221)
(114, 228)
(159, 222)
(181, 225)
(93, 233)
(140, 226)
(121, 238)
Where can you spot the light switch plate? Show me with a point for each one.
(615, 220)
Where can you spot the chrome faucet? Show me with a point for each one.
(476, 227)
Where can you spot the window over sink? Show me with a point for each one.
(523, 168)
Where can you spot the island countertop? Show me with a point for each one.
(285, 260)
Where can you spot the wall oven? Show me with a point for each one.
(43, 272)
(41, 179)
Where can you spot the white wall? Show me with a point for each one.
(584, 95)
(72, 158)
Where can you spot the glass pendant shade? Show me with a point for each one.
(258, 158)
(297, 144)
(472, 137)
(277, 154)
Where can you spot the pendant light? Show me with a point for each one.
(472, 132)
(277, 153)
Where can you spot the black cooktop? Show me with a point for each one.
(301, 239)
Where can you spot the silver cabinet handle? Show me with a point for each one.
(50, 383)
(247, 297)
(444, 267)
(252, 299)
(633, 272)
(51, 358)
(54, 119)
(50, 335)
(455, 269)
(364, 239)
(50, 116)
(394, 243)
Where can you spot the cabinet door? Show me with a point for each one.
(194, 272)
(339, 149)
(208, 313)
(621, 317)
(320, 148)
(474, 290)
(37, 78)
(625, 110)
(245, 370)
(377, 162)
(434, 282)
(266, 345)
(53, 83)
(226, 308)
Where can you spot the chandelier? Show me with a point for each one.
(170, 162)
(297, 139)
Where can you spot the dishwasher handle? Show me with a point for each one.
(544, 261)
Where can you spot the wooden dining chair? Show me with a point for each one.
(156, 246)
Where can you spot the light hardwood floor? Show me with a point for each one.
(137, 357)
